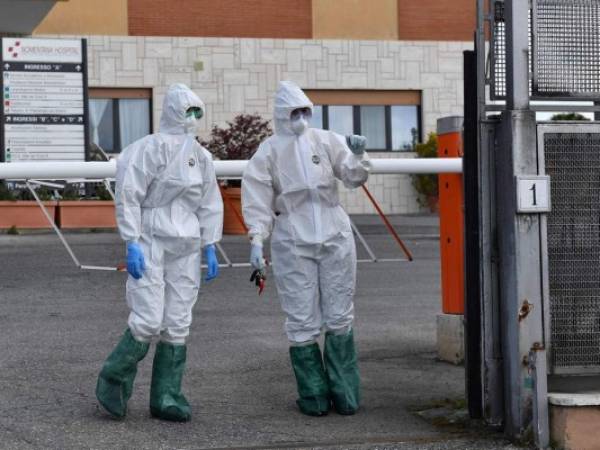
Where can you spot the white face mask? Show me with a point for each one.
(299, 126)
(191, 125)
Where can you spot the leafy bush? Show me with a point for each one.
(239, 139)
(102, 193)
(23, 193)
(71, 192)
(569, 116)
(426, 185)
(5, 193)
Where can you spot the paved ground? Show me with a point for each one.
(59, 323)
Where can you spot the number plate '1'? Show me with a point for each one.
(533, 194)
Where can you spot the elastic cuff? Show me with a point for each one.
(170, 341)
(138, 338)
(302, 344)
(340, 331)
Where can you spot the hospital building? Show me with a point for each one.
(386, 69)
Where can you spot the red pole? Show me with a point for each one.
(232, 207)
(388, 224)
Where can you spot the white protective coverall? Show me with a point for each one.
(289, 187)
(167, 200)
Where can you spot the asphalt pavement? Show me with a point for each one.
(59, 323)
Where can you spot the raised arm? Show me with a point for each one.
(352, 169)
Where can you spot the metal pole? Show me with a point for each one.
(363, 241)
(224, 169)
(224, 254)
(388, 224)
(473, 300)
(521, 272)
(53, 225)
(517, 54)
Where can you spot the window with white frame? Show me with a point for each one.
(390, 120)
(118, 117)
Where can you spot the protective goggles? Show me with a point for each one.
(194, 111)
(301, 112)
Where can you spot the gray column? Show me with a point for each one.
(521, 270)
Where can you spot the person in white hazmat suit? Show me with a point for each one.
(289, 188)
(168, 209)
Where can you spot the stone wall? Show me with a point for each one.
(235, 75)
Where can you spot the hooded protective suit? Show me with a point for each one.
(168, 201)
(289, 188)
(168, 207)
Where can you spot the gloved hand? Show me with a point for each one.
(212, 263)
(135, 260)
(357, 143)
(256, 257)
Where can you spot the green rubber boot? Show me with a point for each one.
(311, 380)
(115, 382)
(342, 372)
(166, 400)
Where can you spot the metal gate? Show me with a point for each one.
(571, 156)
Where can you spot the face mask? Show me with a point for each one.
(299, 126)
(191, 125)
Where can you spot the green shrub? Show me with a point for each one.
(23, 193)
(5, 193)
(569, 116)
(426, 185)
(70, 192)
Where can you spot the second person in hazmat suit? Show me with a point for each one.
(289, 189)
(169, 209)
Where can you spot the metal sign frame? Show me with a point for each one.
(81, 68)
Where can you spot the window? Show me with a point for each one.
(373, 126)
(118, 117)
(340, 119)
(405, 127)
(317, 117)
(390, 120)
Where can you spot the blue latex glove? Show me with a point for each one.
(256, 257)
(357, 143)
(211, 261)
(135, 260)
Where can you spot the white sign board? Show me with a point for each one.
(42, 50)
(533, 193)
(43, 110)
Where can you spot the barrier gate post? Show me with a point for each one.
(450, 324)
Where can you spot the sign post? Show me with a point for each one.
(44, 113)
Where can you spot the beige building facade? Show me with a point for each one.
(236, 76)
(387, 68)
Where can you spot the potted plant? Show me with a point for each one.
(18, 208)
(93, 207)
(76, 210)
(238, 140)
(426, 185)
